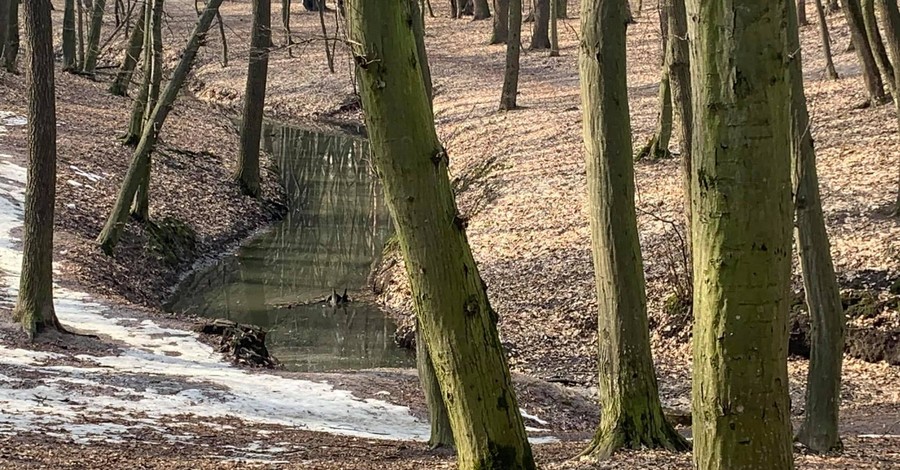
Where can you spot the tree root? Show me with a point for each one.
(607, 441)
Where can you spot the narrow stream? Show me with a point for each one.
(334, 231)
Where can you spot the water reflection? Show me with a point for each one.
(334, 230)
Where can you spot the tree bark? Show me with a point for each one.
(34, 304)
(112, 230)
(500, 31)
(11, 50)
(80, 51)
(891, 15)
(4, 24)
(247, 172)
(68, 36)
(482, 10)
(678, 60)
(441, 431)
(458, 324)
(658, 145)
(741, 234)
(631, 415)
(122, 81)
(819, 431)
(540, 29)
(826, 41)
(139, 106)
(860, 41)
(877, 44)
(554, 34)
(93, 42)
(801, 13)
(140, 208)
(286, 23)
(513, 45)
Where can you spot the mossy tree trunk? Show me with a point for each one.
(819, 431)
(513, 48)
(122, 81)
(68, 36)
(891, 15)
(741, 234)
(247, 172)
(34, 304)
(115, 223)
(658, 145)
(441, 430)
(482, 10)
(457, 323)
(631, 415)
(11, 49)
(93, 42)
(540, 29)
(877, 44)
(140, 208)
(678, 60)
(826, 41)
(139, 106)
(860, 42)
(500, 31)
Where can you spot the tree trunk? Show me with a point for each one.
(441, 432)
(658, 145)
(741, 235)
(891, 15)
(34, 304)
(500, 30)
(458, 324)
(826, 41)
(631, 415)
(482, 10)
(120, 85)
(247, 172)
(112, 230)
(554, 34)
(513, 44)
(819, 431)
(286, 23)
(80, 51)
(68, 36)
(4, 24)
(562, 7)
(678, 60)
(877, 44)
(859, 38)
(139, 106)
(93, 42)
(11, 50)
(801, 13)
(140, 208)
(540, 29)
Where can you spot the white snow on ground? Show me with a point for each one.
(162, 377)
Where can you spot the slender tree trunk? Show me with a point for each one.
(554, 34)
(741, 234)
(678, 60)
(120, 85)
(859, 38)
(139, 106)
(877, 44)
(247, 172)
(441, 432)
(891, 15)
(458, 325)
(68, 36)
(112, 230)
(540, 29)
(11, 50)
(631, 415)
(658, 145)
(328, 55)
(221, 25)
(513, 45)
(140, 208)
(482, 10)
(819, 431)
(80, 51)
(801, 13)
(4, 24)
(286, 23)
(826, 41)
(93, 42)
(34, 305)
(500, 30)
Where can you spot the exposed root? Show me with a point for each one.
(607, 441)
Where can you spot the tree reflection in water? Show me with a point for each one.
(335, 229)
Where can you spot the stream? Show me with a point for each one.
(334, 231)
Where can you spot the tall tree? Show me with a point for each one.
(877, 44)
(631, 415)
(554, 34)
(741, 234)
(891, 15)
(142, 103)
(115, 223)
(540, 29)
(500, 30)
(826, 41)
(4, 24)
(93, 41)
(79, 52)
(458, 324)
(286, 24)
(678, 61)
(513, 48)
(11, 49)
(68, 36)
(140, 208)
(120, 84)
(658, 145)
(819, 430)
(34, 305)
(859, 40)
(247, 171)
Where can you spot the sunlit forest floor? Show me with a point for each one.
(528, 227)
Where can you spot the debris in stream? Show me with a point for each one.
(241, 344)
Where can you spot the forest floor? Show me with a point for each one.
(528, 229)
